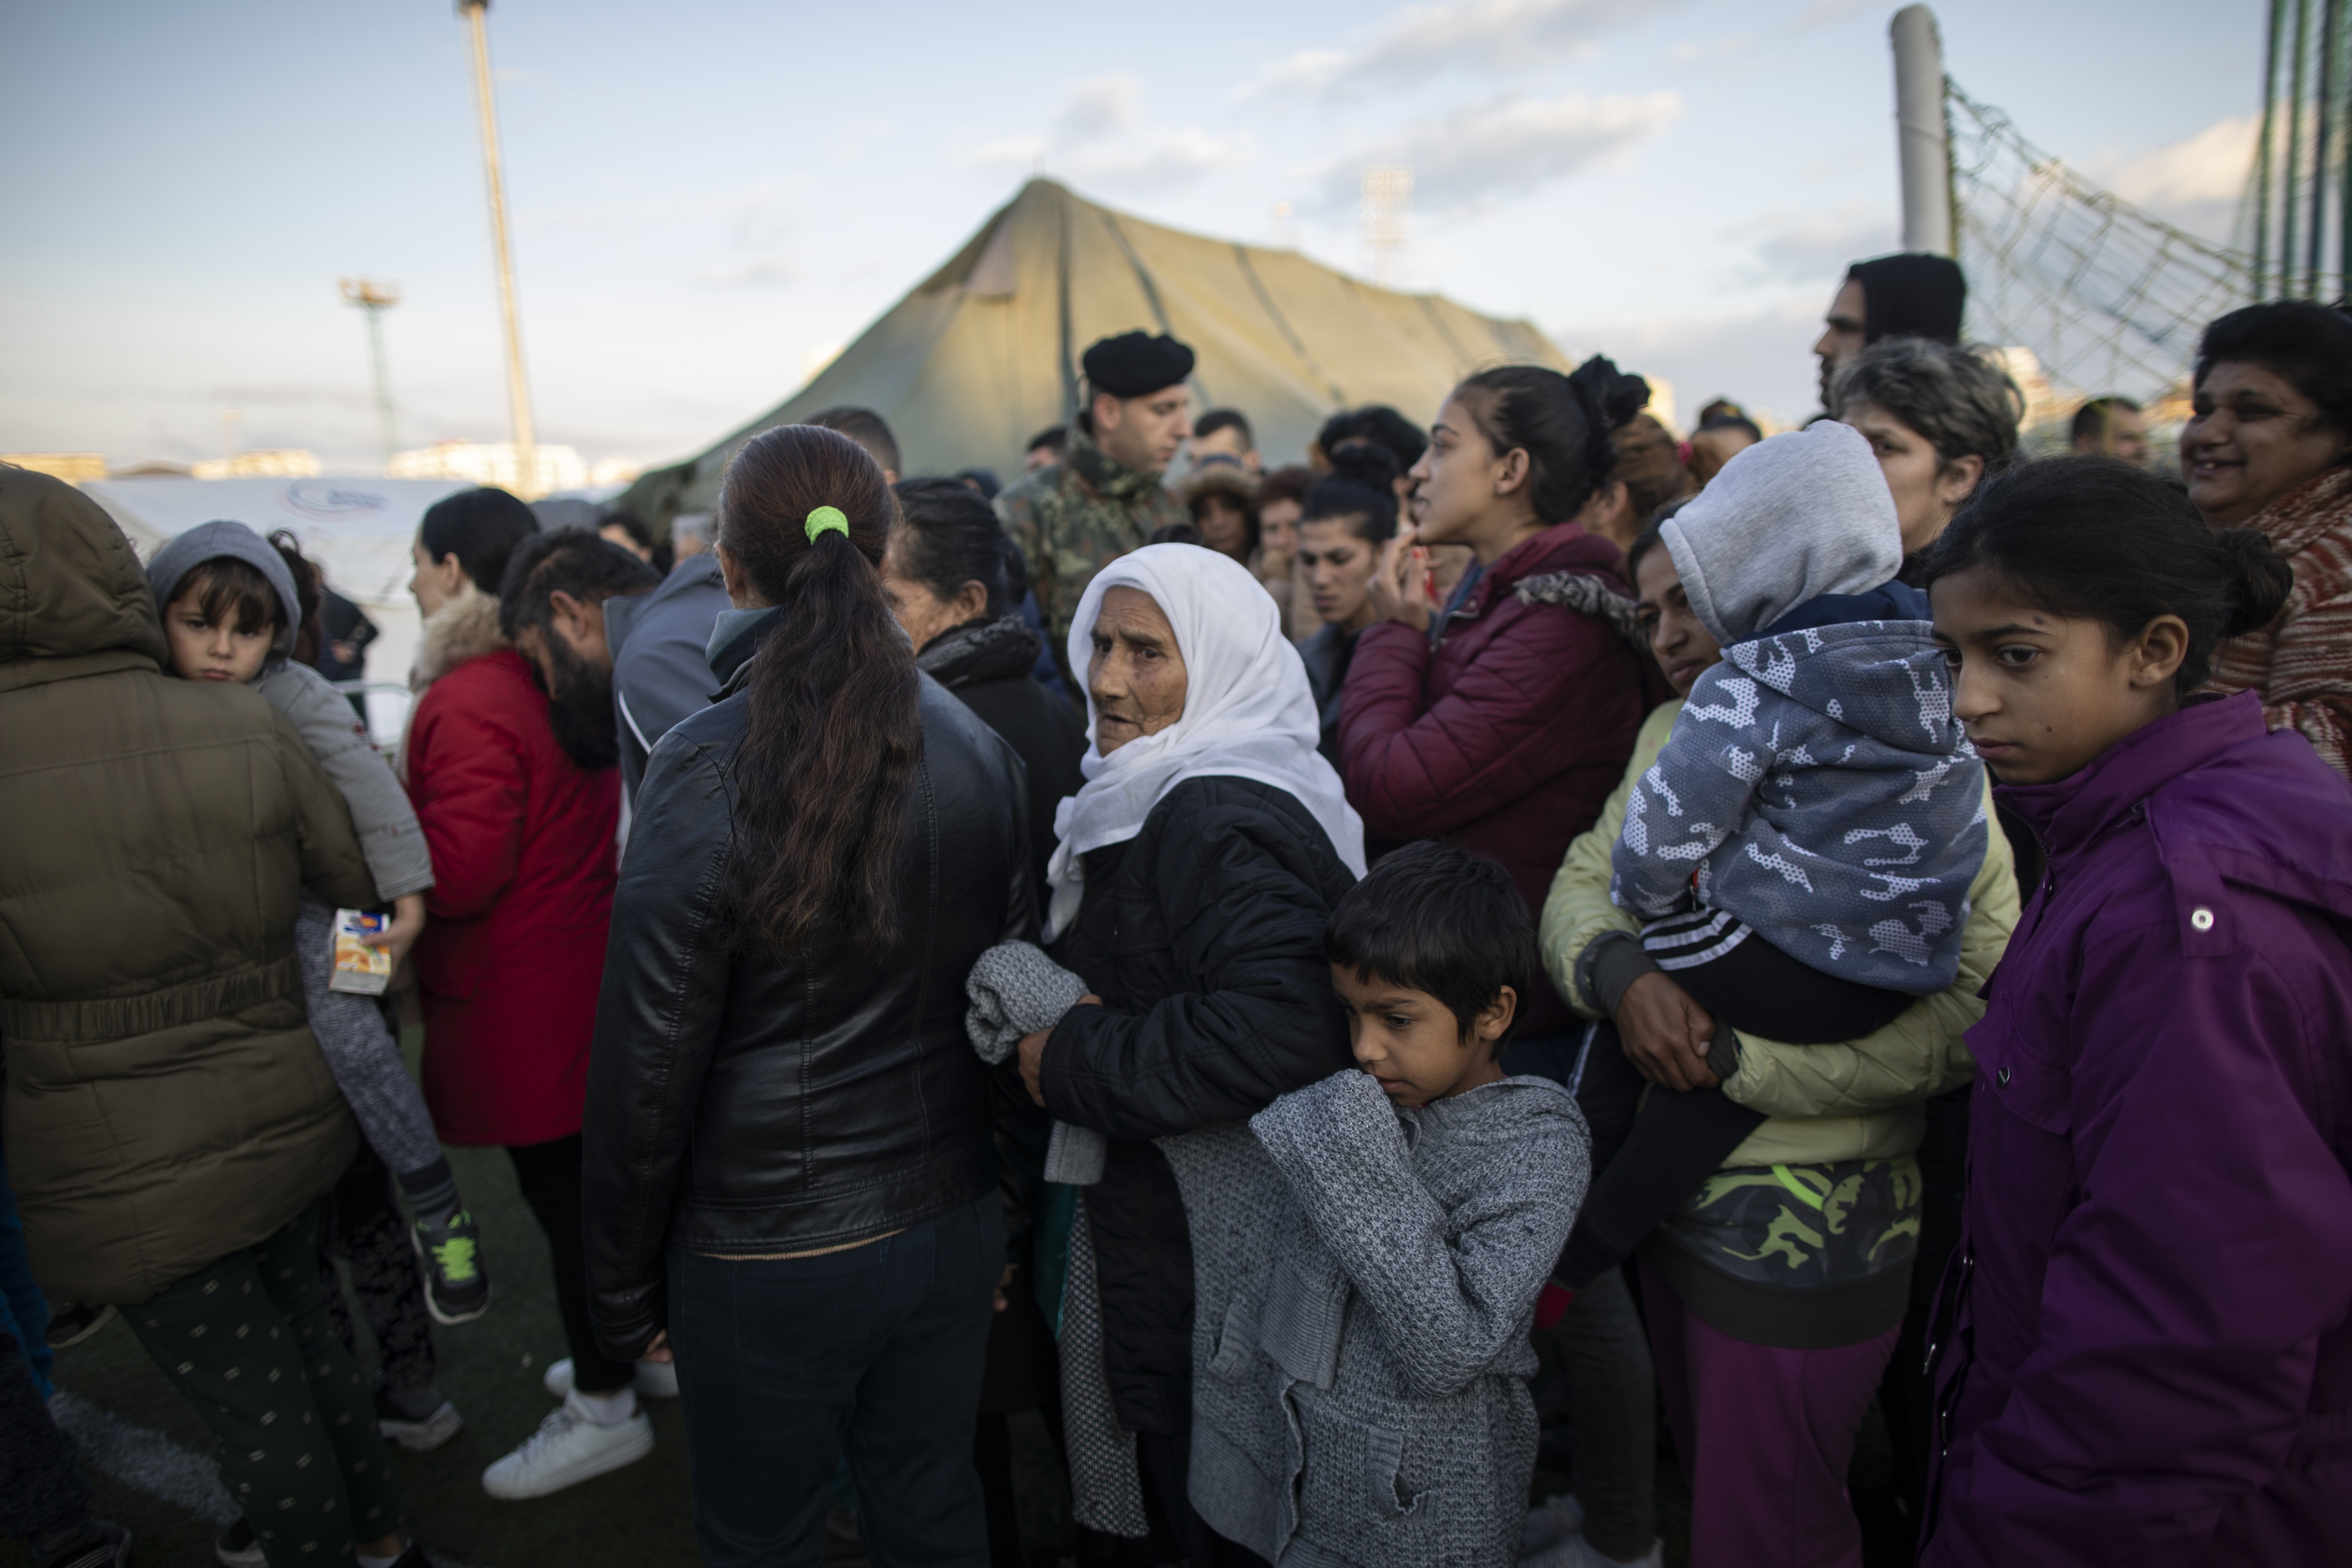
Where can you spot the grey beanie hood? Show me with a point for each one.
(211, 541)
(1788, 519)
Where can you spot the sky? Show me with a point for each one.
(711, 196)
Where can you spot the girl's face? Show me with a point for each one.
(1685, 649)
(1225, 527)
(1278, 532)
(1466, 493)
(2251, 439)
(1927, 491)
(204, 649)
(2043, 695)
(435, 582)
(1337, 568)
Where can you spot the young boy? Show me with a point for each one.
(1365, 1400)
(233, 605)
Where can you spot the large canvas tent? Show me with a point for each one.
(984, 352)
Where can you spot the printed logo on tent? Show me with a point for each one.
(326, 500)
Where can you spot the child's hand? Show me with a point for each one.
(1665, 1034)
(407, 925)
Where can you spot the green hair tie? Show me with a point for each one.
(827, 520)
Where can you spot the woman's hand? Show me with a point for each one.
(1665, 1034)
(407, 925)
(659, 1350)
(1400, 583)
(1033, 1052)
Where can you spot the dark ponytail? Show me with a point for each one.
(1361, 485)
(1561, 422)
(830, 749)
(309, 594)
(2102, 539)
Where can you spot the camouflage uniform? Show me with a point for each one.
(1076, 517)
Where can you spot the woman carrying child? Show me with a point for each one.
(1775, 1290)
(2146, 1332)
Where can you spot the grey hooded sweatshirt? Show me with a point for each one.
(1816, 785)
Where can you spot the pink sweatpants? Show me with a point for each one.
(1765, 1436)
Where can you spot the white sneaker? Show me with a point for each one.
(568, 1448)
(1573, 1551)
(1549, 1523)
(652, 1380)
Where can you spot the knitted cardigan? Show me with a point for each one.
(2301, 664)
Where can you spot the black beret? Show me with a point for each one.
(1135, 364)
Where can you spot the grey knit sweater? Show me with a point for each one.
(1360, 1350)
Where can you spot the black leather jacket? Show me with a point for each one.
(737, 1106)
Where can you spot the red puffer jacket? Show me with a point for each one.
(523, 862)
(1505, 738)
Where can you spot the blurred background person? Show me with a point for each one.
(982, 479)
(1908, 295)
(2111, 427)
(2266, 447)
(1048, 447)
(1720, 437)
(1223, 500)
(1942, 418)
(866, 427)
(1350, 514)
(1278, 500)
(628, 531)
(1650, 466)
(1226, 433)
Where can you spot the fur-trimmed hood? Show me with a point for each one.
(1590, 593)
(464, 629)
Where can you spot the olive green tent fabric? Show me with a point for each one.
(984, 352)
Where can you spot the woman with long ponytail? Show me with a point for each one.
(790, 1172)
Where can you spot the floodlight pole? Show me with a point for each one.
(1921, 143)
(526, 446)
(373, 297)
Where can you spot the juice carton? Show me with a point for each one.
(359, 967)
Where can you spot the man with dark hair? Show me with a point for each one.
(869, 429)
(1073, 518)
(1909, 294)
(1050, 445)
(1225, 432)
(2112, 426)
(551, 608)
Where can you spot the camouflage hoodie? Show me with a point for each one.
(1076, 517)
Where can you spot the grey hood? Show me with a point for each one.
(1788, 519)
(210, 542)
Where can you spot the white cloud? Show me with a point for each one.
(1487, 152)
(1102, 137)
(1422, 40)
(1815, 248)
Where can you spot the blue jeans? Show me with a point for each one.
(783, 1363)
(24, 1310)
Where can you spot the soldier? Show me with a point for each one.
(1103, 499)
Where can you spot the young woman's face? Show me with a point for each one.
(1277, 531)
(1337, 568)
(2043, 695)
(1926, 490)
(1136, 675)
(1412, 1044)
(2251, 439)
(1685, 649)
(203, 649)
(1225, 527)
(435, 582)
(1466, 493)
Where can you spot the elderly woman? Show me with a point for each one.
(2265, 447)
(1942, 418)
(1769, 1324)
(1194, 877)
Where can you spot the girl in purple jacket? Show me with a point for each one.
(2144, 1344)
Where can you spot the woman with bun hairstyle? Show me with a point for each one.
(1349, 514)
(2142, 1343)
(1501, 722)
(790, 1163)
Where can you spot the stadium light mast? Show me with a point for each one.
(526, 444)
(1387, 193)
(1922, 143)
(372, 297)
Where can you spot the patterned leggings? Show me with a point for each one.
(246, 1342)
(363, 1226)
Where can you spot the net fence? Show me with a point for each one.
(2106, 298)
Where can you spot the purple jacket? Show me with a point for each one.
(2151, 1361)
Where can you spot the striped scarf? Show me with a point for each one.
(2301, 664)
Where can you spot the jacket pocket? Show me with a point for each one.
(2028, 1085)
(1231, 1357)
(1356, 1472)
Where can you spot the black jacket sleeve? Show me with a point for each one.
(1255, 1017)
(658, 1021)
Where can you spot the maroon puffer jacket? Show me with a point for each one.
(1507, 736)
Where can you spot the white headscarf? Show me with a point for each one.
(1248, 713)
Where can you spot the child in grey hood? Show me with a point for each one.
(1360, 1393)
(233, 607)
(1801, 851)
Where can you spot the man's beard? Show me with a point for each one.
(580, 709)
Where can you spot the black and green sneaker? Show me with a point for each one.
(457, 1286)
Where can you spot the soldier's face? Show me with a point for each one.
(1145, 432)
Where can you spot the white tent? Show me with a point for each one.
(360, 531)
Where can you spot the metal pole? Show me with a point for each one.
(2263, 151)
(2325, 82)
(2344, 156)
(382, 381)
(1920, 148)
(2290, 196)
(526, 446)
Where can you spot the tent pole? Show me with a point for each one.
(2290, 191)
(2324, 84)
(2262, 151)
(526, 443)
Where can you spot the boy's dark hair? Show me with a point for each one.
(2098, 538)
(1439, 920)
(481, 527)
(1217, 419)
(866, 427)
(1289, 482)
(1361, 485)
(233, 594)
(946, 535)
(574, 561)
(310, 593)
(1375, 422)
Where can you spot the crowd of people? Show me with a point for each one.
(1249, 963)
